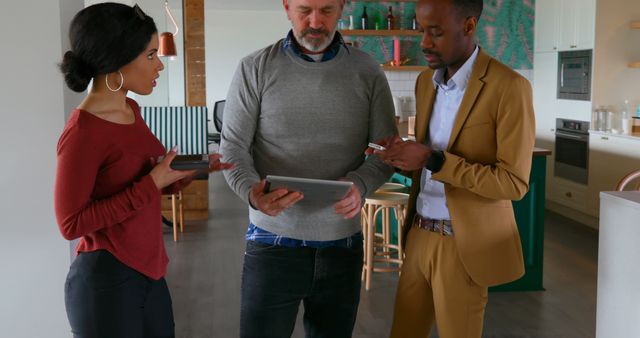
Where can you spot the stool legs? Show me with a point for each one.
(174, 218)
(400, 212)
(181, 211)
(386, 230)
(370, 212)
(371, 229)
(364, 221)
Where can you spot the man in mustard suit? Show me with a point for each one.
(474, 132)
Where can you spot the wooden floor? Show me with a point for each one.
(206, 263)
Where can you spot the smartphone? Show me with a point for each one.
(376, 146)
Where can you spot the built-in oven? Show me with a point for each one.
(572, 150)
(574, 75)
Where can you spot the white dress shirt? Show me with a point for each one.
(432, 202)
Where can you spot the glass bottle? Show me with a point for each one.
(364, 19)
(602, 118)
(595, 119)
(625, 125)
(414, 23)
(391, 20)
(609, 120)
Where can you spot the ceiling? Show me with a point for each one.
(257, 5)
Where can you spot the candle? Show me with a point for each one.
(396, 52)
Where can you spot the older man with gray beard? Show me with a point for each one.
(305, 106)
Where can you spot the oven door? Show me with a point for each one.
(572, 156)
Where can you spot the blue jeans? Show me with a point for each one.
(276, 279)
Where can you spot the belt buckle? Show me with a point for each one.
(441, 224)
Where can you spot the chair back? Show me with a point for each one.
(218, 110)
(183, 126)
(628, 179)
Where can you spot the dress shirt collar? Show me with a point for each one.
(460, 79)
(331, 51)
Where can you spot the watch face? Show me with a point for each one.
(435, 161)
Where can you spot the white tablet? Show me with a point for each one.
(314, 190)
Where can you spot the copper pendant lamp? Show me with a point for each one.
(167, 43)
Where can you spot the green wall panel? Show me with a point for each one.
(505, 30)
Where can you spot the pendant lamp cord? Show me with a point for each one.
(166, 7)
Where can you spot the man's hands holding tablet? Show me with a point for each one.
(351, 204)
(273, 202)
(277, 193)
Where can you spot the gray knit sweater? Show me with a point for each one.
(290, 117)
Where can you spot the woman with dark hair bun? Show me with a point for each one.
(108, 181)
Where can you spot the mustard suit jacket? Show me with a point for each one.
(487, 164)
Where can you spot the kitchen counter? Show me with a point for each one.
(541, 152)
(633, 136)
(618, 300)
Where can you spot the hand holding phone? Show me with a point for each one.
(376, 146)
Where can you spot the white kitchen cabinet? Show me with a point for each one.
(545, 105)
(546, 26)
(564, 25)
(545, 84)
(576, 24)
(618, 268)
(569, 194)
(611, 157)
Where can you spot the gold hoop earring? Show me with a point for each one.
(106, 81)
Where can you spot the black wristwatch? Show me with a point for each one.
(435, 161)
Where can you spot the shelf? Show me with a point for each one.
(385, 32)
(384, 1)
(405, 68)
(635, 64)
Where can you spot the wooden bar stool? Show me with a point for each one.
(176, 206)
(383, 251)
(385, 235)
(392, 187)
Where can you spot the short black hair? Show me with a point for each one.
(467, 8)
(104, 37)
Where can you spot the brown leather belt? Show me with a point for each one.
(442, 226)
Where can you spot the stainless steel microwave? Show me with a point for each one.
(574, 75)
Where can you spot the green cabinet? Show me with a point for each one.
(529, 213)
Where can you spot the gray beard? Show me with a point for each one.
(310, 46)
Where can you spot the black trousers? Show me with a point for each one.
(276, 279)
(105, 298)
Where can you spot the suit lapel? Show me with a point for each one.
(471, 94)
(422, 118)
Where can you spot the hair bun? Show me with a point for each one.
(77, 73)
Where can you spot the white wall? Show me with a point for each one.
(33, 255)
(616, 46)
(68, 9)
(170, 85)
(232, 35)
